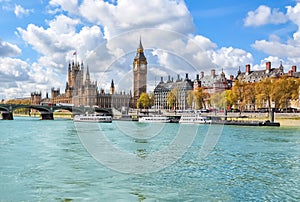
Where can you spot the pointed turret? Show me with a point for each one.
(140, 52)
(87, 76)
(112, 87)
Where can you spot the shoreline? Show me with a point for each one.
(285, 119)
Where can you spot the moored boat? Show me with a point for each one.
(195, 119)
(96, 118)
(154, 119)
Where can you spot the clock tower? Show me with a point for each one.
(139, 74)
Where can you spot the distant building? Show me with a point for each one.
(162, 90)
(250, 76)
(81, 91)
(139, 74)
(213, 83)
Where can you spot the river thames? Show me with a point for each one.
(47, 161)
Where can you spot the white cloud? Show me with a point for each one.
(264, 15)
(166, 27)
(286, 50)
(68, 5)
(8, 49)
(20, 11)
(230, 57)
(58, 42)
(126, 15)
(18, 78)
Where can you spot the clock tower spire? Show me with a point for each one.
(139, 73)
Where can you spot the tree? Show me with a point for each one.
(172, 98)
(151, 99)
(190, 99)
(264, 92)
(238, 93)
(230, 98)
(200, 97)
(143, 101)
(285, 89)
(249, 96)
(219, 100)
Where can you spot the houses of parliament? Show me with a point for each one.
(80, 90)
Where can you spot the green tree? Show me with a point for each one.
(219, 100)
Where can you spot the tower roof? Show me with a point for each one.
(140, 45)
(140, 52)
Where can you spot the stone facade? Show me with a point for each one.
(211, 83)
(162, 90)
(139, 74)
(81, 91)
(256, 76)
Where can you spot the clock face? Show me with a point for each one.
(135, 67)
(143, 66)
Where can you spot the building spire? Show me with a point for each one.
(87, 77)
(112, 87)
(140, 45)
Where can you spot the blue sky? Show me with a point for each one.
(38, 39)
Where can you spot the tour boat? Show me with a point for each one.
(97, 118)
(195, 119)
(154, 119)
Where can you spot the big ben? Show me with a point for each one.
(139, 73)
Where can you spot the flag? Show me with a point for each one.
(74, 53)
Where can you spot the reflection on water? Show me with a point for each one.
(45, 161)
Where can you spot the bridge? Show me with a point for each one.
(47, 111)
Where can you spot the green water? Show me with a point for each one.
(46, 161)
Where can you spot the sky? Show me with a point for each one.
(38, 39)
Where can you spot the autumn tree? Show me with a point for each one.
(143, 101)
(264, 92)
(238, 91)
(285, 89)
(172, 98)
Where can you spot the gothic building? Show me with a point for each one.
(80, 90)
(162, 90)
(139, 74)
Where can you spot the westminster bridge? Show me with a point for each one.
(47, 111)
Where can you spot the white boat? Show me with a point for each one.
(195, 119)
(96, 118)
(154, 119)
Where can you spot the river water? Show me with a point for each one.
(49, 161)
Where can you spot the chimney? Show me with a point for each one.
(294, 68)
(186, 76)
(247, 69)
(231, 77)
(202, 74)
(268, 67)
(213, 73)
(161, 79)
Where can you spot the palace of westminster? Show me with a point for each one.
(81, 91)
